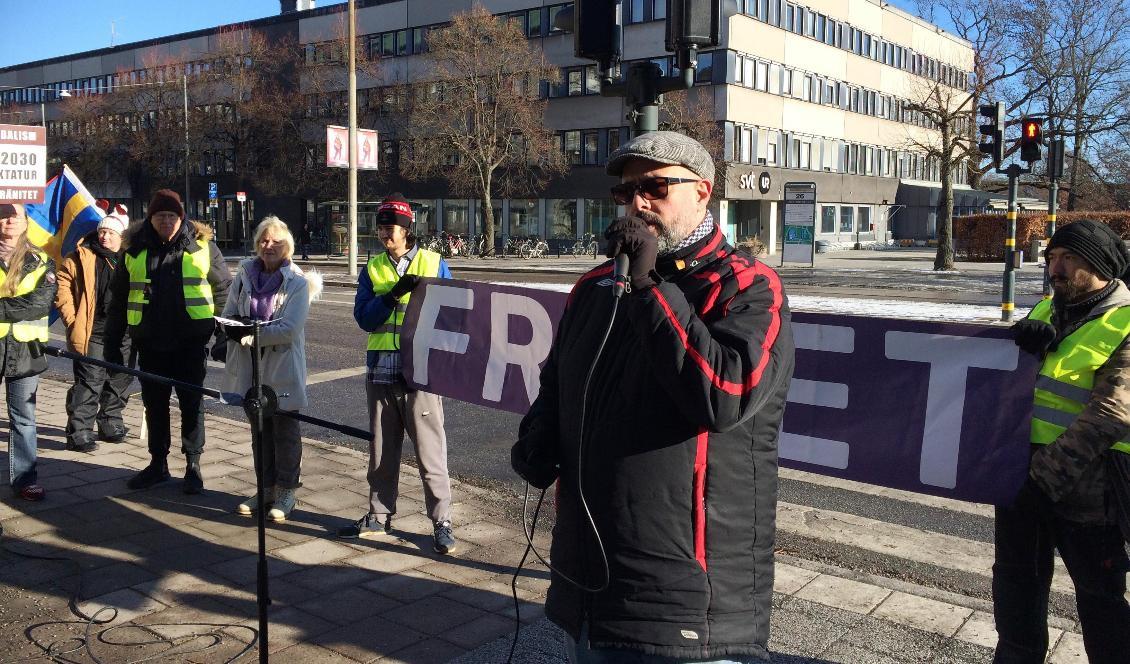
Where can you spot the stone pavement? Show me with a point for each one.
(180, 572)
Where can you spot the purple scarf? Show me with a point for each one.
(263, 288)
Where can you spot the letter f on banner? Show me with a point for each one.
(427, 337)
(950, 359)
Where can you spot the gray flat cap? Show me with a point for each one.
(664, 147)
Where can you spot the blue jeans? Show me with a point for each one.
(581, 653)
(1026, 539)
(21, 433)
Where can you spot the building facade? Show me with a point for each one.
(819, 91)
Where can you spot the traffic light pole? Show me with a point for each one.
(1008, 290)
(643, 87)
(1053, 203)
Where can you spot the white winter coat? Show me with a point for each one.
(283, 338)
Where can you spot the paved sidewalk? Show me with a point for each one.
(175, 566)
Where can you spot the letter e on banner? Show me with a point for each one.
(427, 337)
(528, 357)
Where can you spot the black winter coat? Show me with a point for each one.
(165, 324)
(680, 454)
(25, 358)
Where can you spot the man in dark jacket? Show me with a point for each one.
(1080, 444)
(174, 282)
(673, 448)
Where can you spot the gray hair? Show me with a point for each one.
(273, 223)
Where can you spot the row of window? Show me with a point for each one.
(536, 22)
(779, 79)
(590, 147)
(804, 21)
(585, 79)
(773, 147)
(97, 85)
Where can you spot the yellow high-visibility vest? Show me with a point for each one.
(28, 330)
(194, 275)
(1067, 375)
(382, 272)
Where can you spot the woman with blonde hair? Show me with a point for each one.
(27, 289)
(271, 289)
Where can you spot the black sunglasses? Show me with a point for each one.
(650, 188)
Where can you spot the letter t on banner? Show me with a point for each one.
(528, 357)
(428, 337)
(950, 359)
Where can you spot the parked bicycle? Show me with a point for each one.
(585, 245)
(533, 247)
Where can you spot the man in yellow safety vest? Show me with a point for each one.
(1080, 438)
(174, 282)
(383, 291)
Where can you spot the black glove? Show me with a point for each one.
(402, 288)
(236, 332)
(113, 355)
(630, 236)
(1031, 498)
(220, 349)
(1034, 336)
(534, 463)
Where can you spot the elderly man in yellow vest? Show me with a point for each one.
(174, 282)
(383, 290)
(1080, 454)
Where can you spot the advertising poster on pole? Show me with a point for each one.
(800, 223)
(337, 148)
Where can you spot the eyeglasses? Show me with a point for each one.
(650, 188)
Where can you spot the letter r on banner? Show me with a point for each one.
(950, 359)
(427, 337)
(529, 356)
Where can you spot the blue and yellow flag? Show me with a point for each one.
(68, 214)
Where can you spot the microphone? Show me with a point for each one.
(620, 276)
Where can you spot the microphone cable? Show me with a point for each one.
(529, 532)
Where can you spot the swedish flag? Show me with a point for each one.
(68, 214)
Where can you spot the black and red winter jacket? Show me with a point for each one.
(679, 454)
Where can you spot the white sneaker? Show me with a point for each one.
(284, 503)
(247, 507)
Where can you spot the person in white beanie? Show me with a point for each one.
(98, 396)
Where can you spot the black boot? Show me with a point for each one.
(193, 481)
(156, 472)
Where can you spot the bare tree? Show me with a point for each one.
(949, 111)
(1080, 49)
(478, 120)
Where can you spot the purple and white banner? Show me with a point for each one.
(938, 408)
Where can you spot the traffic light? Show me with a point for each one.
(695, 23)
(1055, 158)
(1031, 139)
(992, 143)
(596, 31)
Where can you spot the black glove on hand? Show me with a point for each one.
(630, 236)
(533, 464)
(402, 288)
(237, 332)
(220, 349)
(1034, 336)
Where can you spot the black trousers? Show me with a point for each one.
(98, 396)
(1095, 557)
(188, 365)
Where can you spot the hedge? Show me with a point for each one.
(980, 237)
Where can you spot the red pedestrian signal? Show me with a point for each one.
(1031, 139)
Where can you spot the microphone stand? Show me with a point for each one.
(259, 403)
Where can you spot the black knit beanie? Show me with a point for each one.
(395, 211)
(165, 200)
(1097, 244)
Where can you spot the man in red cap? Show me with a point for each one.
(174, 282)
(383, 290)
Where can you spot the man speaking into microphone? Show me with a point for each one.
(658, 416)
